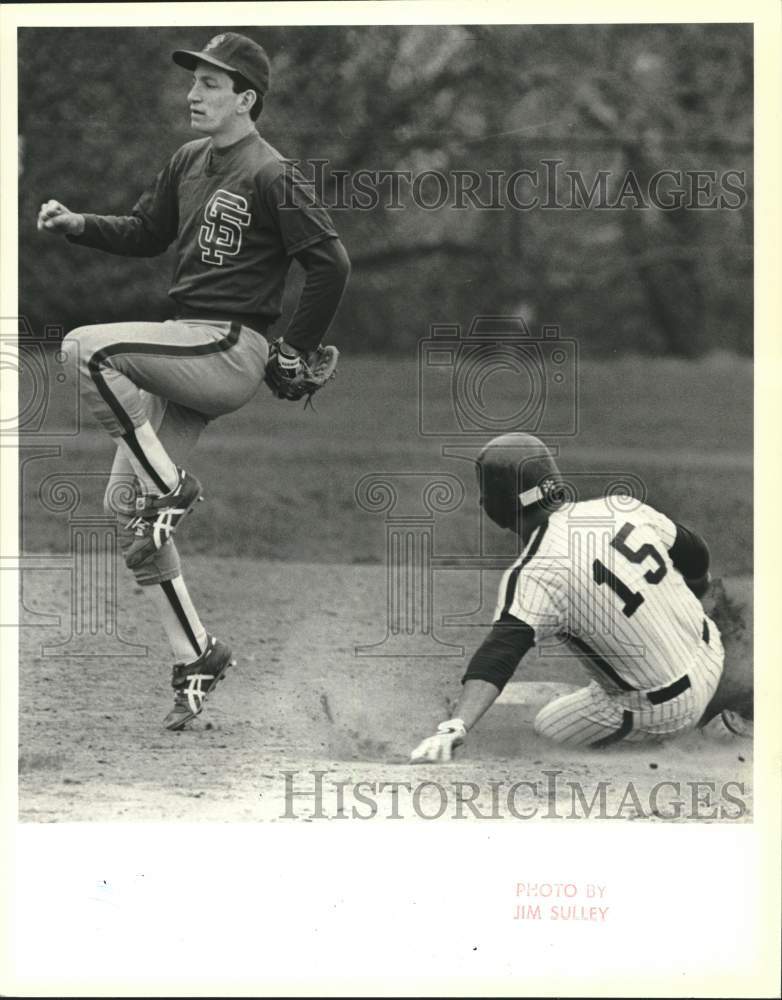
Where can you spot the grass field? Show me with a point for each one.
(280, 482)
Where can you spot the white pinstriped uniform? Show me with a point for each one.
(597, 581)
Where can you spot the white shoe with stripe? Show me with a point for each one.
(158, 517)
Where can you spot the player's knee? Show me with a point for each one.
(148, 575)
(90, 339)
(159, 566)
(72, 348)
(79, 335)
(542, 722)
(80, 344)
(554, 722)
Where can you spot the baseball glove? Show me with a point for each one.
(295, 378)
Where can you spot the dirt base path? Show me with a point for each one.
(302, 713)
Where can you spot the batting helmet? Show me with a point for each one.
(518, 476)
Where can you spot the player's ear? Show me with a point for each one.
(247, 101)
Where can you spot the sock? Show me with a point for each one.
(186, 634)
(150, 460)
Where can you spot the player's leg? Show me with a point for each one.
(117, 403)
(588, 717)
(727, 690)
(212, 368)
(207, 368)
(593, 717)
(735, 690)
(160, 574)
(200, 659)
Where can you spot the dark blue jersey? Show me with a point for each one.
(236, 215)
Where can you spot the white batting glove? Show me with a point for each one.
(439, 748)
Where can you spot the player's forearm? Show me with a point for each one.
(475, 700)
(328, 268)
(125, 235)
(491, 667)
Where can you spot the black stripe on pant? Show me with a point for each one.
(179, 611)
(624, 730)
(132, 442)
(101, 358)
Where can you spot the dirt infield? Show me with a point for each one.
(303, 712)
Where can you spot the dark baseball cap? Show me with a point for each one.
(233, 53)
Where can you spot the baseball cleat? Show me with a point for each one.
(158, 517)
(727, 726)
(193, 682)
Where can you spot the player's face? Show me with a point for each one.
(213, 103)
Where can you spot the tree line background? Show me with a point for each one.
(101, 110)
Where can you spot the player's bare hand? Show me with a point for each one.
(439, 748)
(54, 217)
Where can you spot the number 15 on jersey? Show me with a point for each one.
(601, 574)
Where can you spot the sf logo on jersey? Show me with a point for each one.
(225, 219)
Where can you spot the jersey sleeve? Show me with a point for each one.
(690, 555)
(328, 268)
(291, 200)
(499, 654)
(530, 595)
(147, 231)
(688, 551)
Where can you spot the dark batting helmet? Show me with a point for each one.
(519, 481)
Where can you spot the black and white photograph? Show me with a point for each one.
(385, 433)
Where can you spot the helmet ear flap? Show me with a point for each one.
(499, 496)
(551, 493)
(518, 475)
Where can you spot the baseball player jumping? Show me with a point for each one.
(611, 580)
(238, 213)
